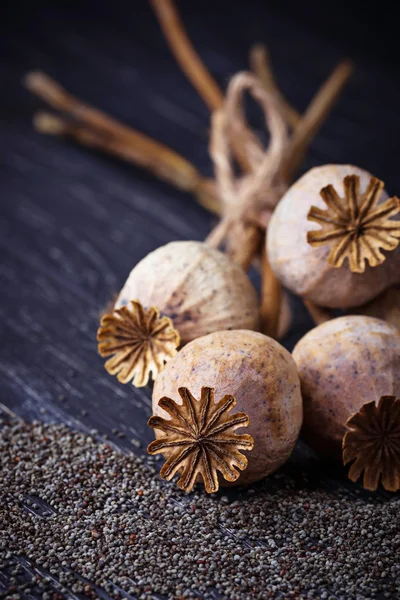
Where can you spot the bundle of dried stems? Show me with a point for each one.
(244, 203)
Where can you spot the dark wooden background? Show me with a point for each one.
(73, 222)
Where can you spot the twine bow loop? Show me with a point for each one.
(248, 199)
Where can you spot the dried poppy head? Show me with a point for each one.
(200, 439)
(139, 342)
(333, 238)
(372, 444)
(175, 294)
(192, 397)
(350, 378)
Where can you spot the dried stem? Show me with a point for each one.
(186, 55)
(252, 242)
(271, 299)
(315, 115)
(91, 127)
(271, 289)
(261, 66)
(192, 65)
(318, 314)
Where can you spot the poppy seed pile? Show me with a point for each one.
(79, 519)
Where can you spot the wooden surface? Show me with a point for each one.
(73, 223)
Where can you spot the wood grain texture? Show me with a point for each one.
(74, 222)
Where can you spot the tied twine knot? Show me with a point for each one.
(247, 200)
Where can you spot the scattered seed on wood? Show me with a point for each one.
(112, 522)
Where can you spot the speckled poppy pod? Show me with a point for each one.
(177, 293)
(192, 398)
(350, 380)
(334, 238)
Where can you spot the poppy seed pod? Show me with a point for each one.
(326, 236)
(192, 398)
(349, 370)
(179, 292)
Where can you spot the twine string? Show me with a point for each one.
(248, 199)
